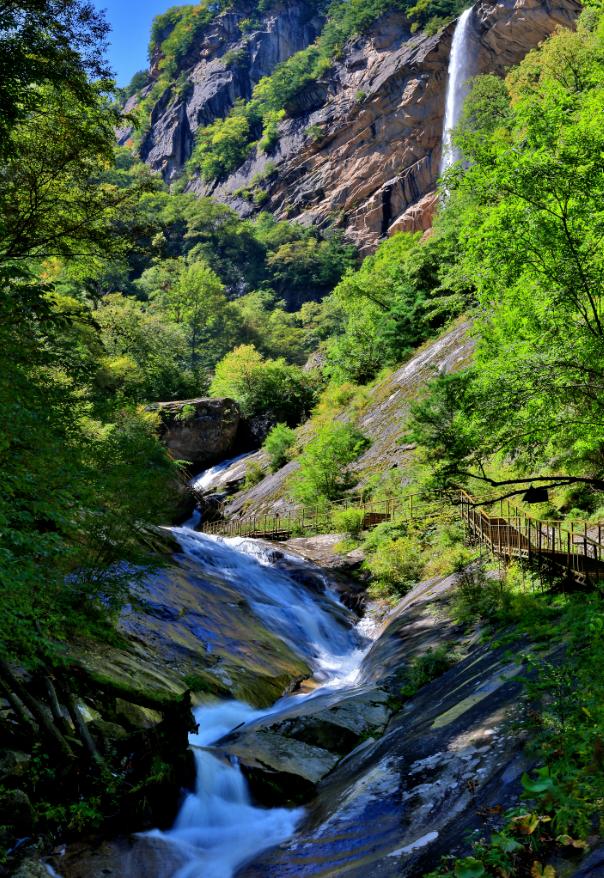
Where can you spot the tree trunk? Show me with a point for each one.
(19, 709)
(44, 721)
(79, 724)
(55, 707)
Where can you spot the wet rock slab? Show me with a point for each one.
(448, 763)
(286, 755)
(145, 856)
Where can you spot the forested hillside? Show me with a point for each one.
(169, 268)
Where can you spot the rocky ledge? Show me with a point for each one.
(199, 431)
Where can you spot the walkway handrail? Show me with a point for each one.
(514, 533)
(315, 519)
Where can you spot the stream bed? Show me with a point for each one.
(219, 828)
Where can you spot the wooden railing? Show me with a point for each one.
(575, 548)
(304, 520)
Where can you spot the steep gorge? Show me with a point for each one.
(359, 148)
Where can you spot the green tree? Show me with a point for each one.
(265, 387)
(529, 207)
(46, 43)
(146, 356)
(193, 296)
(221, 146)
(391, 303)
(323, 471)
(55, 199)
(72, 538)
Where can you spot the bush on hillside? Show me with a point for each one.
(348, 521)
(265, 387)
(396, 566)
(323, 471)
(278, 445)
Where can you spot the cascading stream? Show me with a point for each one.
(218, 828)
(460, 69)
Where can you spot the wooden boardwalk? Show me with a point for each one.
(575, 549)
(305, 520)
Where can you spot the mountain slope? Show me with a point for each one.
(357, 145)
(381, 417)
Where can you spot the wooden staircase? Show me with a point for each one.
(575, 550)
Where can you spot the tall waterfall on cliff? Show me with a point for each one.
(460, 69)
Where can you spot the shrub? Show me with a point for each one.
(315, 132)
(278, 445)
(186, 413)
(427, 667)
(253, 475)
(396, 566)
(478, 597)
(323, 474)
(271, 387)
(348, 521)
(222, 146)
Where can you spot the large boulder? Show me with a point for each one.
(285, 755)
(201, 431)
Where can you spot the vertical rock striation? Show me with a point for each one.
(361, 148)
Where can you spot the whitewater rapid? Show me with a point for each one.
(218, 828)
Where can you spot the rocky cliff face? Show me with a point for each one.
(222, 69)
(200, 431)
(359, 148)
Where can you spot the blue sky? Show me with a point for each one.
(130, 22)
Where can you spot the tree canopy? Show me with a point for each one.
(528, 209)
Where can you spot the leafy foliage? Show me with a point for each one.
(264, 387)
(323, 463)
(47, 46)
(528, 207)
(278, 445)
(394, 301)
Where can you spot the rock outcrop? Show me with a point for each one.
(199, 431)
(448, 763)
(390, 786)
(361, 147)
(223, 68)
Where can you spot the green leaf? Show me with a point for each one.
(469, 868)
(541, 784)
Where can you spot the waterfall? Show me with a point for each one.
(460, 69)
(211, 479)
(218, 827)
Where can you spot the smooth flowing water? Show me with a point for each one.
(213, 478)
(460, 69)
(218, 828)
